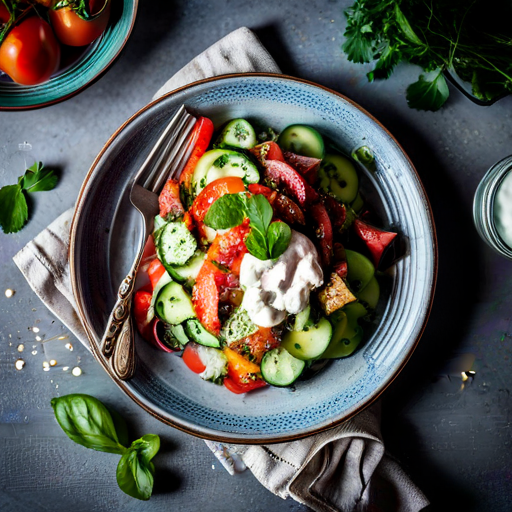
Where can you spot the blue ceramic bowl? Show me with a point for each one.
(106, 229)
(90, 65)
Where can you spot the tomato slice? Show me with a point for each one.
(305, 165)
(155, 271)
(240, 387)
(141, 304)
(205, 296)
(169, 201)
(377, 240)
(267, 151)
(212, 192)
(72, 30)
(192, 360)
(229, 248)
(323, 232)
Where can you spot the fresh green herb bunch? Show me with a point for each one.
(437, 35)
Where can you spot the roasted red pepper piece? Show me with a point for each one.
(323, 231)
(170, 202)
(375, 239)
(307, 166)
(201, 137)
(283, 175)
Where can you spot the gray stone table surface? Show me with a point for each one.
(454, 438)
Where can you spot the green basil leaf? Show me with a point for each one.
(226, 212)
(259, 212)
(256, 244)
(38, 179)
(279, 235)
(86, 421)
(429, 93)
(135, 471)
(120, 426)
(13, 208)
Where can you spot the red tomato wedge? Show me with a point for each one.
(243, 387)
(212, 192)
(170, 202)
(229, 248)
(201, 137)
(305, 165)
(267, 151)
(375, 239)
(336, 210)
(323, 232)
(192, 360)
(141, 304)
(155, 271)
(205, 296)
(283, 175)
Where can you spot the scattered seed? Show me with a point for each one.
(21, 347)
(69, 347)
(76, 371)
(46, 366)
(38, 338)
(9, 293)
(34, 352)
(19, 364)
(65, 368)
(53, 362)
(35, 329)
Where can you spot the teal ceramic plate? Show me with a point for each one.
(92, 63)
(106, 230)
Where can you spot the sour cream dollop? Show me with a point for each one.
(274, 288)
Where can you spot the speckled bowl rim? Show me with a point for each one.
(93, 80)
(204, 432)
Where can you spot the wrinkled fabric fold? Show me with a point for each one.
(343, 469)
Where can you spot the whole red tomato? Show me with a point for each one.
(72, 30)
(30, 54)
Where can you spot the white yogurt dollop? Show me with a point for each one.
(274, 288)
(503, 209)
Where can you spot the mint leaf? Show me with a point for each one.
(256, 244)
(38, 179)
(260, 213)
(279, 235)
(428, 93)
(226, 212)
(13, 208)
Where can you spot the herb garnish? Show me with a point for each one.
(86, 421)
(13, 204)
(437, 36)
(267, 239)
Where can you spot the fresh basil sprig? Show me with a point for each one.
(13, 204)
(267, 239)
(87, 421)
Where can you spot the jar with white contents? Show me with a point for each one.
(492, 207)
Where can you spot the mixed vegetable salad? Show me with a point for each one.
(263, 258)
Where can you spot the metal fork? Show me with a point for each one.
(166, 160)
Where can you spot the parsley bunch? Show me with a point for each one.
(13, 204)
(437, 35)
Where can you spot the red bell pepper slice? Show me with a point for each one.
(229, 248)
(377, 240)
(170, 202)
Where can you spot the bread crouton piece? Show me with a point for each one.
(335, 294)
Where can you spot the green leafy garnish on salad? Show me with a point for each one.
(13, 203)
(436, 35)
(267, 239)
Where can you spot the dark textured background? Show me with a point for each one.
(454, 440)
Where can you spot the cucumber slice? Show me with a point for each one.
(175, 244)
(238, 133)
(163, 281)
(301, 319)
(187, 273)
(344, 182)
(231, 163)
(175, 337)
(309, 343)
(202, 167)
(302, 140)
(238, 326)
(358, 203)
(199, 334)
(173, 305)
(280, 368)
(360, 270)
(347, 332)
(370, 293)
(159, 223)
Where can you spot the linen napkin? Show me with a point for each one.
(342, 470)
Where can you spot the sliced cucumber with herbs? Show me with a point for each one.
(302, 140)
(187, 273)
(202, 168)
(370, 293)
(347, 332)
(360, 270)
(175, 244)
(199, 334)
(302, 318)
(232, 163)
(280, 368)
(238, 326)
(238, 133)
(175, 337)
(163, 281)
(309, 343)
(173, 305)
(338, 176)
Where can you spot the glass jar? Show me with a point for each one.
(483, 206)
